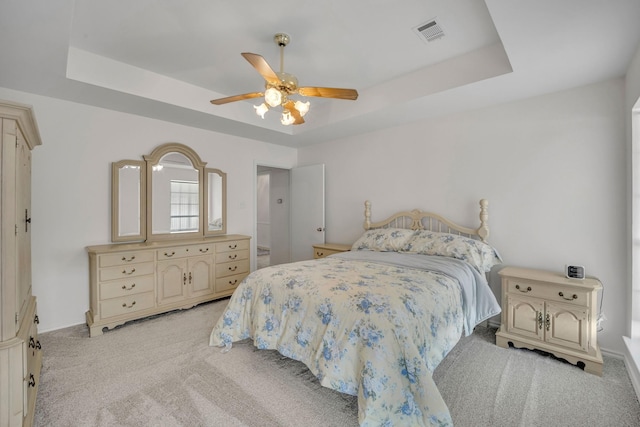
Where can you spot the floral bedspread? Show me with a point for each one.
(365, 323)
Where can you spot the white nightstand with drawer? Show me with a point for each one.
(546, 311)
(321, 250)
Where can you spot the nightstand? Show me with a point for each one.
(546, 311)
(322, 250)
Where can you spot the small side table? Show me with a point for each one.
(546, 311)
(322, 250)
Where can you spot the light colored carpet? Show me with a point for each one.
(161, 372)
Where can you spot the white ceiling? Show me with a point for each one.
(167, 58)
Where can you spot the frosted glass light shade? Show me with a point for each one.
(261, 109)
(287, 118)
(273, 97)
(302, 107)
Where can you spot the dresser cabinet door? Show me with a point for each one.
(526, 317)
(567, 325)
(172, 281)
(201, 276)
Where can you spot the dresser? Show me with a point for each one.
(546, 311)
(322, 250)
(131, 281)
(20, 349)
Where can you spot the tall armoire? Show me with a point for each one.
(20, 350)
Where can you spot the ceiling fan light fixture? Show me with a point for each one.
(261, 109)
(287, 119)
(280, 86)
(273, 97)
(302, 107)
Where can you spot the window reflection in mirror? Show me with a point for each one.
(175, 190)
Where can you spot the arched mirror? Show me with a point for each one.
(179, 196)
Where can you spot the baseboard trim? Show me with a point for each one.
(632, 362)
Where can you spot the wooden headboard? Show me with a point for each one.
(421, 220)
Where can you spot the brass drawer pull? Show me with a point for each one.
(539, 320)
(133, 270)
(124, 305)
(233, 247)
(204, 251)
(128, 289)
(574, 296)
(32, 380)
(525, 291)
(169, 254)
(38, 345)
(190, 278)
(32, 342)
(130, 259)
(234, 268)
(548, 321)
(36, 320)
(320, 254)
(232, 257)
(233, 283)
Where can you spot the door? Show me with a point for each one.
(567, 325)
(307, 210)
(172, 281)
(525, 317)
(201, 275)
(23, 223)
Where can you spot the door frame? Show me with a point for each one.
(254, 241)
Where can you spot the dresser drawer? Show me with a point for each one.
(173, 252)
(233, 245)
(124, 305)
(125, 287)
(232, 268)
(204, 249)
(231, 256)
(125, 258)
(132, 270)
(230, 282)
(550, 292)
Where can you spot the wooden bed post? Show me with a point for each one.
(483, 231)
(367, 214)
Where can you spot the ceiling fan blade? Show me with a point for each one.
(236, 98)
(329, 92)
(290, 105)
(260, 64)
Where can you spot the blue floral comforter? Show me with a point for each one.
(371, 324)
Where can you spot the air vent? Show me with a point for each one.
(430, 31)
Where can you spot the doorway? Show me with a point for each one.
(272, 216)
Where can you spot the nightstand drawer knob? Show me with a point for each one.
(527, 290)
(568, 299)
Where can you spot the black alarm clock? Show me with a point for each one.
(574, 271)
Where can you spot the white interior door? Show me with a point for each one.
(307, 210)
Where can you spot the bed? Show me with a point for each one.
(375, 321)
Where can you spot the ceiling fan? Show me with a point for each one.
(280, 86)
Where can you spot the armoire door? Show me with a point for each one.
(23, 223)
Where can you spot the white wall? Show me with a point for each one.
(71, 189)
(552, 168)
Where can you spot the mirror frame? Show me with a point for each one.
(146, 196)
(115, 201)
(223, 175)
(153, 159)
